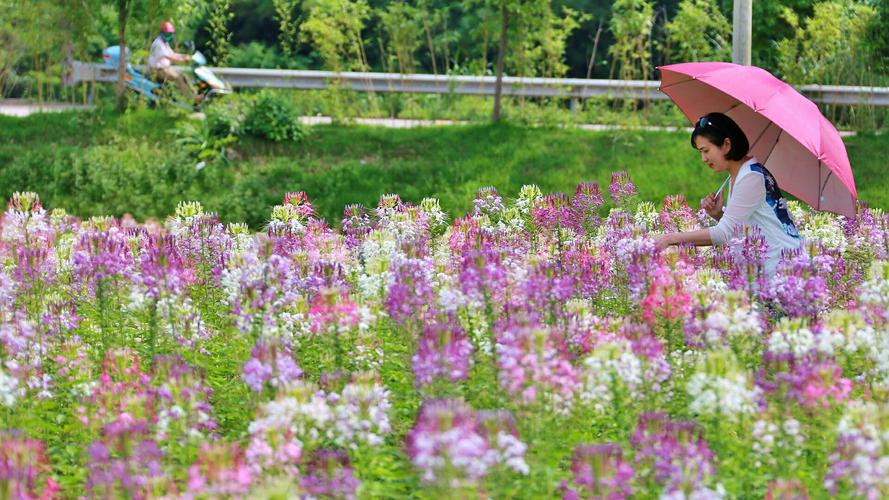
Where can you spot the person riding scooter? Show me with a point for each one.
(161, 58)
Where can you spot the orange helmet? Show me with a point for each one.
(167, 27)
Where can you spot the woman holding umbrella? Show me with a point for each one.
(754, 198)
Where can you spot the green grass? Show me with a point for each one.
(93, 163)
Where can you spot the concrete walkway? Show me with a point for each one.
(23, 107)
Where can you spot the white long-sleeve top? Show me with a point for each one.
(160, 54)
(756, 200)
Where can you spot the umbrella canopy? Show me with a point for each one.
(787, 132)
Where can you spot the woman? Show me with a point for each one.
(754, 197)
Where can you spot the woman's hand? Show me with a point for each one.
(712, 204)
(664, 240)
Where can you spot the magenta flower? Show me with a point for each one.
(332, 310)
(24, 470)
(220, 470)
(676, 214)
(811, 380)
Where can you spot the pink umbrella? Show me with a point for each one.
(787, 132)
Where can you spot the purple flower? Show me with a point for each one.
(100, 255)
(356, 225)
(800, 286)
(482, 275)
(410, 291)
(487, 201)
(444, 352)
(534, 363)
(553, 212)
(271, 362)
(599, 471)
(182, 402)
(161, 267)
(24, 469)
(621, 188)
(675, 451)
(446, 444)
(329, 474)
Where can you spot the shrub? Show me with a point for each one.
(273, 117)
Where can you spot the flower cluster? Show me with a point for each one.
(453, 445)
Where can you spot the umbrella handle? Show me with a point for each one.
(719, 191)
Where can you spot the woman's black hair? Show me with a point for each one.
(717, 127)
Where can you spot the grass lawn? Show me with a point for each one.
(93, 163)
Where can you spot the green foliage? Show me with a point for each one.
(273, 117)
(199, 140)
(220, 36)
(539, 39)
(258, 55)
(334, 29)
(828, 47)
(109, 164)
(287, 25)
(402, 24)
(700, 32)
(631, 23)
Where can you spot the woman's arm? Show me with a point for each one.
(701, 237)
(748, 193)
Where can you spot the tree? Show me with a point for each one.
(220, 36)
(333, 27)
(700, 32)
(631, 23)
(402, 25)
(829, 47)
(287, 25)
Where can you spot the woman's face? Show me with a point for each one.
(713, 155)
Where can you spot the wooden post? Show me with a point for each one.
(742, 31)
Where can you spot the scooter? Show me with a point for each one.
(208, 85)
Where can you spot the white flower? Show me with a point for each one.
(9, 389)
(729, 396)
(825, 228)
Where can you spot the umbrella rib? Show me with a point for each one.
(662, 87)
(754, 143)
(823, 186)
(766, 159)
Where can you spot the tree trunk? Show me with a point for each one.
(501, 54)
(430, 44)
(122, 12)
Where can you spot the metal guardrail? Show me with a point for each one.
(470, 85)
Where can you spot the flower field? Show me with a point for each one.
(535, 347)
